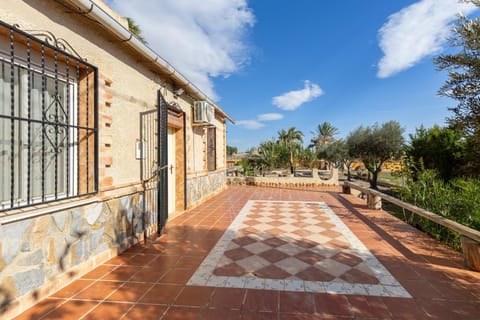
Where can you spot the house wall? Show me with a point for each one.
(43, 254)
(201, 183)
(203, 187)
(43, 248)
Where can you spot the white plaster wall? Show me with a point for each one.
(134, 85)
(221, 146)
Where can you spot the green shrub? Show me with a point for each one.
(466, 202)
(247, 167)
(457, 200)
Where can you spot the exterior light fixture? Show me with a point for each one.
(178, 92)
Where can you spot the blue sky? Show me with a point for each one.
(274, 64)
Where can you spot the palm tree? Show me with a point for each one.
(135, 29)
(271, 154)
(324, 133)
(290, 138)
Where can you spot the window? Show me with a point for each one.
(212, 149)
(47, 123)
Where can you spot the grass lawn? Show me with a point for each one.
(388, 177)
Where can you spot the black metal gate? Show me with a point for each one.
(154, 163)
(162, 126)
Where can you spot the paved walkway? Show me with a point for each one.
(261, 253)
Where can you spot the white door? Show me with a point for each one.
(171, 170)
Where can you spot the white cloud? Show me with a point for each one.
(257, 124)
(293, 99)
(201, 40)
(415, 32)
(250, 124)
(270, 116)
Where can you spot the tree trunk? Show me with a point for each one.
(291, 163)
(373, 180)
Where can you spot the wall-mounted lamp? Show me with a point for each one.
(175, 106)
(178, 92)
(140, 149)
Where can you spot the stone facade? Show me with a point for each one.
(36, 251)
(201, 188)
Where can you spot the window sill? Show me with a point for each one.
(61, 205)
(43, 209)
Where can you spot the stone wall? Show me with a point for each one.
(36, 253)
(287, 182)
(201, 188)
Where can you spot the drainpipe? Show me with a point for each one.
(90, 9)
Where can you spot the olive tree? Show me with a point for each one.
(337, 152)
(376, 144)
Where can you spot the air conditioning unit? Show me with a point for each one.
(203, 112)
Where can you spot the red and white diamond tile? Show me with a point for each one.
(294, 246)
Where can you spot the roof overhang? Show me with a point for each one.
(93, 11)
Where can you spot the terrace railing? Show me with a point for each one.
(470, 238)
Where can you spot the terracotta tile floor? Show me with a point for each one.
(262, 253)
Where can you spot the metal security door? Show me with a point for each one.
(153, 165)
(148, 146)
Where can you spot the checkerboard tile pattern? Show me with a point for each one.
(294, 246)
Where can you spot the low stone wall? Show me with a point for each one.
(40, 255)
(286, 182)
(198, 189)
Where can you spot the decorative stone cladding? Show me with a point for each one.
(201, 188)
(287, 182)
(42, 254)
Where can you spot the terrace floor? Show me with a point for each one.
(264, 253)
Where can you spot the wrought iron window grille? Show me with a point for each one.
(49, 38)
(48, 120)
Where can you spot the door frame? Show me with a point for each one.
(154, 126)
(172, 166)
(177, 121)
